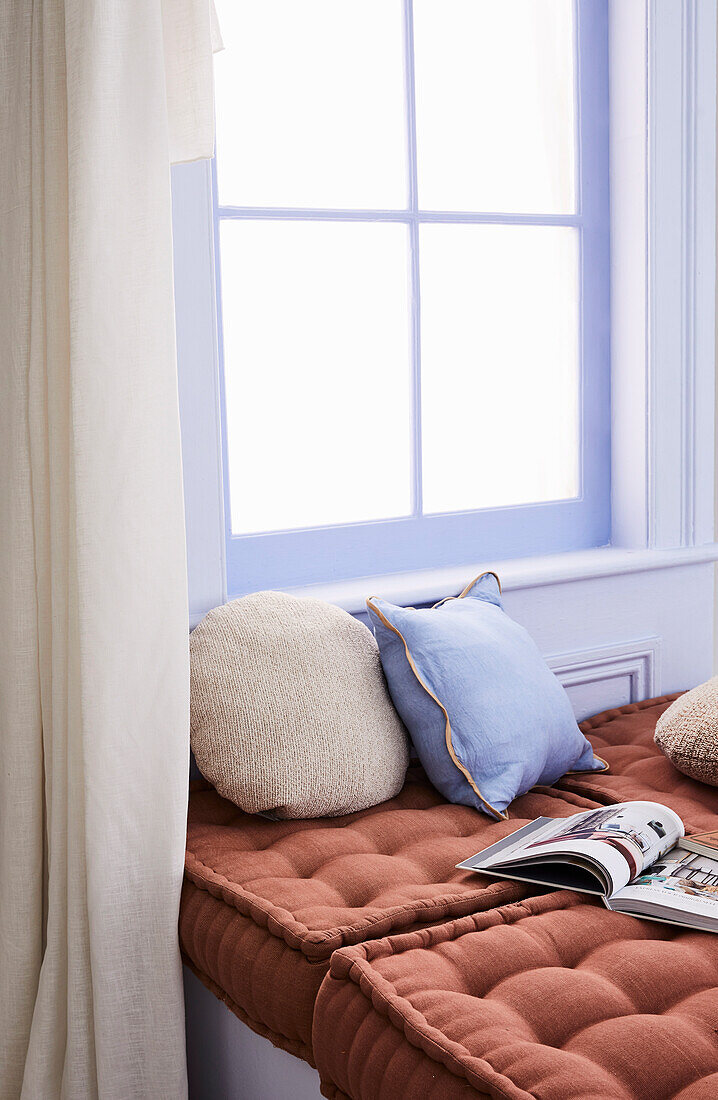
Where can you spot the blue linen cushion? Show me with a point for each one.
(488, 718)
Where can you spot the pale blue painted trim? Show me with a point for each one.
(198, 385)
(593, 167)
(461, 217)
(681, 67)
(413, 543)
(282, 559)
(234, 582)
(426, 586)
(417, 487)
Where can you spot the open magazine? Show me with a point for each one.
(628, 853)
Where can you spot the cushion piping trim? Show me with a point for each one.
(319, 944)
(501, 814)
(470, 585)
(377, 990)
(449, 931)
(590, 771)
(435, 1045)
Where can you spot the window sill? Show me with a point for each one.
(430, 585)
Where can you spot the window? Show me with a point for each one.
(411, 215)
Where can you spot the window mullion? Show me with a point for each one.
(417, 493)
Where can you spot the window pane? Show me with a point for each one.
(317, 375)
(310, 104)
(495, 105)
(500, 365)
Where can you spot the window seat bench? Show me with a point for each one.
(275, 914)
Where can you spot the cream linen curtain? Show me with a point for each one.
(98, 96)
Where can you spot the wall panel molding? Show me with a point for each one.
(610, 675)
(639, 660)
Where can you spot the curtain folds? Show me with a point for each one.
(98, 97)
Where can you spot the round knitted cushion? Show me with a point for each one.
(290, 713)
(688, 733)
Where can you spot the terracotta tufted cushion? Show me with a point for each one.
(553, 997)
(638, 768)
(266, 902)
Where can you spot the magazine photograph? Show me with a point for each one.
(632, 854)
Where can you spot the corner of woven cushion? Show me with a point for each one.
(278, 922)
(406, 1019)
(341, 963)
(347, 962)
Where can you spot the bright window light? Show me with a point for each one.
(318, 377)
(310, 104)
(499, 398)
(495, 105)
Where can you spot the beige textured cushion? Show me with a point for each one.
(688, 733)
(290, 712)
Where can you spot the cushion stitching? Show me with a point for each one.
(361, 972)
(604, 718)
(432, 1036)
(337, 932)
(620, 1016)
(264, 906)
(451, 930)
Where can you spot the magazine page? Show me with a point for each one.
(625, 838)
(504, 859)
(616, 843)
(681, 886)
(512, 845)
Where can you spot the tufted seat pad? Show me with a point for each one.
(638, 768)
(265, 903)
(552, 997)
